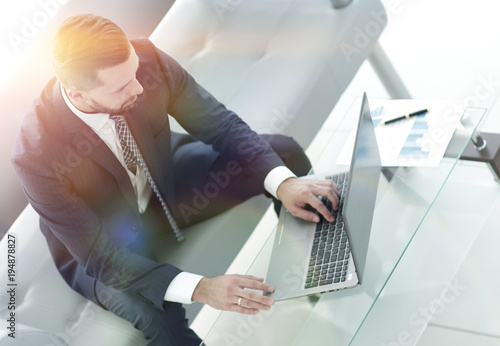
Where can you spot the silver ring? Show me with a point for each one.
(239, 301)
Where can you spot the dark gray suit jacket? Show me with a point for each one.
(87, 206)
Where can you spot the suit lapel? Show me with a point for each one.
(104, 157)
(100, 153)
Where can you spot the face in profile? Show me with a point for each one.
(118, 89)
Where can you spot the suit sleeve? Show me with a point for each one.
(83, 233)
(210, 121)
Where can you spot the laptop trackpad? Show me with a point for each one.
(294, 229)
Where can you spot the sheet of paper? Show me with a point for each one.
(419, 141)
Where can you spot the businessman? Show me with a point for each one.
(100, 165)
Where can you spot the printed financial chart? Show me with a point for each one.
(409, 144)
(418, 141)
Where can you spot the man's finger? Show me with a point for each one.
(328, 184)
(250, 302)
(317, 204)
(252, 282)
(249, 277)
(304, 214)
(333, 197)
(254, 300)
(244, 310)
(328, 189)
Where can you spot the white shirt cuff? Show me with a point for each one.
(182, 287)
(275, 178)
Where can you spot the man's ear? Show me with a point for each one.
(75, 95)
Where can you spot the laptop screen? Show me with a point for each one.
(364, 176)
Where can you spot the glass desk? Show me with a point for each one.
(420, 235)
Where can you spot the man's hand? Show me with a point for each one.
(224, 293)
(296, 193)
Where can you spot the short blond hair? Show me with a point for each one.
(83, 45)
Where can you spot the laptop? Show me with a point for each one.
(309, 258)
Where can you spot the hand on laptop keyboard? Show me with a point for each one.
(296, 194)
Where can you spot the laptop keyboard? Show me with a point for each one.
(330, 252)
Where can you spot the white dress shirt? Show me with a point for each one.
(183, 285)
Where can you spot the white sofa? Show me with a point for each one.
(281, 65)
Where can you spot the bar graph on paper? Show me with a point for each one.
(418, 141)
(402, 143)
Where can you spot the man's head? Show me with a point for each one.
(96, 64)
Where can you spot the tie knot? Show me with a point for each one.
(122, 128)
(117, 118)
(127, 142)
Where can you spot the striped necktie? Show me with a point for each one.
(132, 156)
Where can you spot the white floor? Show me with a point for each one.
(449, 49)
